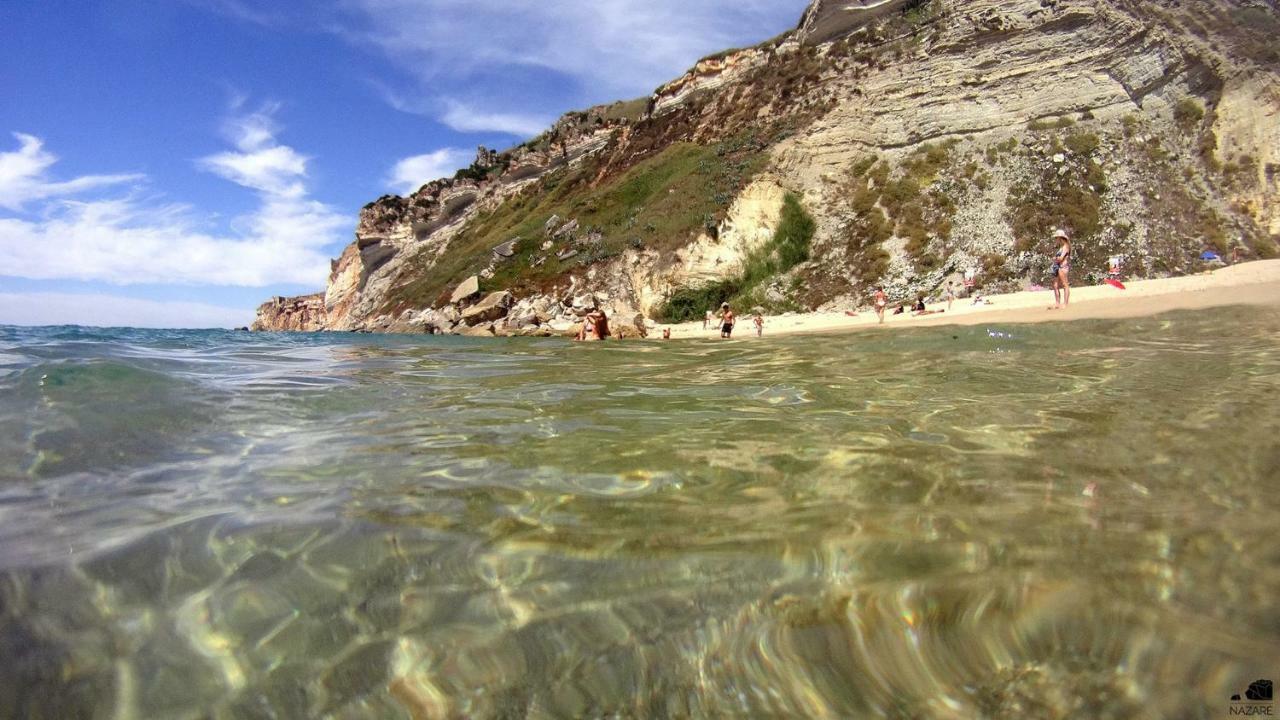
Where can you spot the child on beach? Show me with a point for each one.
(951, 294)
(759, 323)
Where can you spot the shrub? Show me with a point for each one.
(1082, 143)
(861, 167)
(692, 303)
(1130, 123)
(788, 247)
(1188, 113)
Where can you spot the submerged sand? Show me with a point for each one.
(1254, 283)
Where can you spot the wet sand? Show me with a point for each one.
(1254, 283)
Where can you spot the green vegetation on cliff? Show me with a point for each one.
(660, 204)
(788, 247)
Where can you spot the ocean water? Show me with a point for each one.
(1071, 520)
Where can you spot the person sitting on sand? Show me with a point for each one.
(758, 320)
(727, 320)
(919, 310)
(881, 301)
(1060, 269)
(902, 308)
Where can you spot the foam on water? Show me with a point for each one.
(1068, 520)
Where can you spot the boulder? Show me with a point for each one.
(468, 288)
(506, 249)
(625, 321)
(482, 330)
(566, 230)
(562, 326)
(437, 321)
(523, 319)
(493, 307)
(545, 308)
(451, 314)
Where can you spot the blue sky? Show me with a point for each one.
(176, 162)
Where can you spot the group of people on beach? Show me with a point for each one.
(1059, 271)
(595, 325)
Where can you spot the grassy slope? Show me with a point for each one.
(661, 204)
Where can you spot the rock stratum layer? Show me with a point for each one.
(902, 143)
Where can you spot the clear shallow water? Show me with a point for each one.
(205, 524)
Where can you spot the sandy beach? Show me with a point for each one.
(1252, 283)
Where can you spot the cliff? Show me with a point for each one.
(897, 142)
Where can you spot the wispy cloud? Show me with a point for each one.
(482, 53)
(24, 176)
(104, 310)
(260, 162)
(412, 173)
(241, 10)
(132, 239)
(465, 118)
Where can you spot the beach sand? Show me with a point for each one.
(1253, 283)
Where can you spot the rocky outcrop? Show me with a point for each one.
(297, 314)
(493, 307)
(930, 139)
(827, 20)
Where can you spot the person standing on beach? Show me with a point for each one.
(951, 294)
(881, 302)
(707, 319)
(759, 322)
(727, 320)
(1060, 269)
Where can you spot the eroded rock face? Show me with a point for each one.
(827, 20)
(889, 79)
(297, 314)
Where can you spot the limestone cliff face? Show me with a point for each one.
(299, 314)
(930, 140)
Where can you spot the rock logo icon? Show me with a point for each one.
(1259, 690)
(1257, 700)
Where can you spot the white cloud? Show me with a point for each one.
(465, 118)
(101, 310)
(129, 240)
(483, 51)
(412, 173)
(273, 170)
(24, 177)
(261, 164)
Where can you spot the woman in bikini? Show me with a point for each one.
(881, 302)
(1060, 269)
(595, 326)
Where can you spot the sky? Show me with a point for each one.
(174, 163)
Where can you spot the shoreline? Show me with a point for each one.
(1251, 283)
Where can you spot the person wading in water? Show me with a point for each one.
(727, 320)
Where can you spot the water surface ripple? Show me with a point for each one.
(1071, 520)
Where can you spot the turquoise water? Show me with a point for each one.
(1073, 520)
